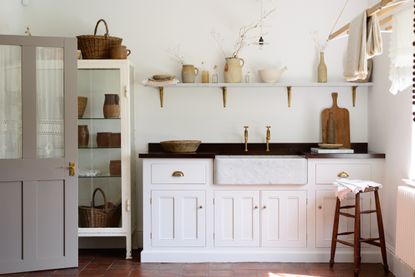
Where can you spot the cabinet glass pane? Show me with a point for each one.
(10, 102)
(99, 143)
(50, 102)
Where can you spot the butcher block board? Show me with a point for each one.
(341, 123)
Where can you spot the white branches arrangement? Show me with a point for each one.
(318, 43)
(243, 34)
(175, 53)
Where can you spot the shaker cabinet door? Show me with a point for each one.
(325, 209)
(237, 218)
(178, 218)
(283, 218)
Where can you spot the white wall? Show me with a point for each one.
(151, 27)
(11, 20)
(390, 132)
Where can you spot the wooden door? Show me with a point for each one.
(237, 218)
(38, 192)
(178, 218)
(284, 218)
(325, 208)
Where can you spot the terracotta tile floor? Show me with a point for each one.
(111, 263)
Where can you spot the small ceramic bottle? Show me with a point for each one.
(215, 75)
(322, 70)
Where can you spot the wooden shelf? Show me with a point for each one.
(289, 87)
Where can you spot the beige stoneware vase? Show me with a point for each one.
(233, 70)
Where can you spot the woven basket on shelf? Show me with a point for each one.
(97, 47)
(107, 215)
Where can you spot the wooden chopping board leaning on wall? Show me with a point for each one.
(335, 124)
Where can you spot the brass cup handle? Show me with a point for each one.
(71, 168)
(343, 174)
(177, 174)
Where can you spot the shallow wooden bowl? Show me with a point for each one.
(180, 146)
(163, 77)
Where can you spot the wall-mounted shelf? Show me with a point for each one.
(289, 86)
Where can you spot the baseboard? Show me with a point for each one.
(250, 255)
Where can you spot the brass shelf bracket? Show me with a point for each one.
(161, 93)
(224, 95)
(354, 89)
(289, 96)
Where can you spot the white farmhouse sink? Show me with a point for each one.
(260, 170)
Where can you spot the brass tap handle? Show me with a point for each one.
(177, 174)
(246, 138)
(71, 168)
(343, 174)
(268, 137)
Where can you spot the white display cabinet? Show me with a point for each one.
(95, 79)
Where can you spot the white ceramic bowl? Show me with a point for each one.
(271, 75)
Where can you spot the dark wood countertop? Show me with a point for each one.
(210, 150)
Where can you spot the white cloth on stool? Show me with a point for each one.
(345, 186)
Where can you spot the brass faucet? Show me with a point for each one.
(268, 137)
(246, 137)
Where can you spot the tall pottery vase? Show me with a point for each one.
(322, 70)
(111, 107)
(233, 70)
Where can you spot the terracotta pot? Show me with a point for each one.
(83, 136)
(120, 52)
(233, 70)
(115, 167)
(82, 101)
(115, 140)
(103, 139)
(111, 106)
(189, 73)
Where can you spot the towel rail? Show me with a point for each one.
(381, 8)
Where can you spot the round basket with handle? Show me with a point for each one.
(107, 215)
(95, 46)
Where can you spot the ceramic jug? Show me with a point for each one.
(189, 73)
(233, 70)
(83, 136)
(111, 106)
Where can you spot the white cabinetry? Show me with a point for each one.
(178, 218)
(187, 218)
(283, 218)
(236, 218)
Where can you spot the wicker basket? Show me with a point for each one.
(107, 215)
(97, 47)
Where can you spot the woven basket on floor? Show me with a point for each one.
(107, 215)
(97, 47)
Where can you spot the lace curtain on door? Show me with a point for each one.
(50, 102)
(10, 102)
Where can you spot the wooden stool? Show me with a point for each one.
(380, 241)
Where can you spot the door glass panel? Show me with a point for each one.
(99, 148)
(10, 102)
(50, 102)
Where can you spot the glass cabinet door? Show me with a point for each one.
(99, 143)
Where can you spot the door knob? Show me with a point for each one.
(320, 207)
(71, 168)
(255, 207)
(200, 207)
(264, 207)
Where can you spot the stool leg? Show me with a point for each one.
(357, 236)
(381, 232)
(335, 232)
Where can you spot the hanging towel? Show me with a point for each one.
(356, 62)
(401, 50)
(345, 186)
(374, 38)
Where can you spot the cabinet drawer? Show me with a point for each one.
(326, 174)
(178, 173)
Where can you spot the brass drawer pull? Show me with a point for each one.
(343, 174)
(178, 174)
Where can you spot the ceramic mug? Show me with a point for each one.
(120, 52)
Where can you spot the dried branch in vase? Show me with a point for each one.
(176, 55)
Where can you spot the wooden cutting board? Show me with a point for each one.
(341, 124)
